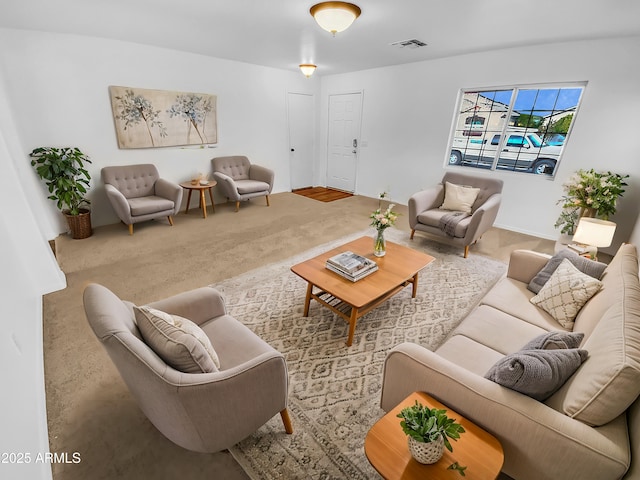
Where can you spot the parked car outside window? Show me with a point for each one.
(523, 129)
(555, 139)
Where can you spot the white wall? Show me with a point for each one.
(58, 89)
(28, 271)
(408, 112)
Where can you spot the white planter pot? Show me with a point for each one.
(565, 239)
(426, 453)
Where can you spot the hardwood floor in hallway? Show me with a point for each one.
(322, 194)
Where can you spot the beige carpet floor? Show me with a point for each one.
(88, 406)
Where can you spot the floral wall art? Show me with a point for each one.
(158, 118)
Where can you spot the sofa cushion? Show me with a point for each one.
(178, 341)
(612, 284)
(512, 297)
(469, 354)
(151, 204)
(555, 341)
(251, 186)
(459, 198)
(432, 218)
(566, 292)
(609, 381)
(590, 267)
(497, 330)
(536, 373)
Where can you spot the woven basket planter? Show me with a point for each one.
(426, 453)
(80, 225)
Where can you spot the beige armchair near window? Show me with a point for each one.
(203, 412)
(239, 180)
(425, 214)
(137, 193)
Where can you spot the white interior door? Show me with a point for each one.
(344, 136)
(301, 122)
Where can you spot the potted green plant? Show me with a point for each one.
(63, 170)
(588, 193)
(428, 431)
(567, 223)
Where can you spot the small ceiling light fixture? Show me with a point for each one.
(335, 17)
(307, 69)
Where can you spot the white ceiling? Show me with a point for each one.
(282, 33)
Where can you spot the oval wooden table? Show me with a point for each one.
(387, 450)
(201, 188)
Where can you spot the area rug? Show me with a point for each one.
(334, 390)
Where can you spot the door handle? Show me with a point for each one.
(293, 149)
(355, 143)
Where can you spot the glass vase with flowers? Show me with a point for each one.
(381, 220)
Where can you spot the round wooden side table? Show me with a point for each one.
(387, 450)
(190, 187)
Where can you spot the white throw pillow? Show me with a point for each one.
(177, 340)
(566, 292)
(459, 198)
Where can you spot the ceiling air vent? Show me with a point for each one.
(413, 43)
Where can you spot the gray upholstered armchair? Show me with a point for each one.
(137, 193)
(425, 214)
(240, 180)
(203, 412)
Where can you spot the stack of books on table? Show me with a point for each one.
(578, 248)
(351, 265)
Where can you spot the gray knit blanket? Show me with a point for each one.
(537, 373)
(449, 222)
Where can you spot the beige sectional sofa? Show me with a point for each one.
(590, 427)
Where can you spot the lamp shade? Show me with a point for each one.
(594, 232)
(335, 16)
(307, 69)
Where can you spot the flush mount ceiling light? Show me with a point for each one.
(335, 17)
(307, 69)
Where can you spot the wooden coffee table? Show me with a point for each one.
(386, 448)
(351, 300)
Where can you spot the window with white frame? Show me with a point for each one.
(522, 129)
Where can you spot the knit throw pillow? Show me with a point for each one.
(537, 373)
(565, 293)
(555, 341)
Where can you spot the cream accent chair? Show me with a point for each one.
(425, 214)
(137, 193)
(202, 412)
(240, 180)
